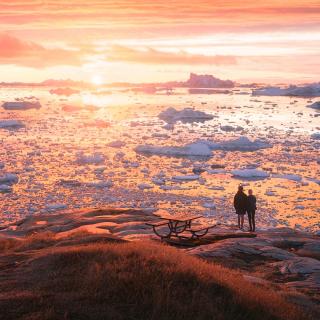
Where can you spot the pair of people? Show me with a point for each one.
(245, 204)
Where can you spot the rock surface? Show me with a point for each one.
(286, 258)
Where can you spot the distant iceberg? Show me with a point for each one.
(315, 105)
(207, 81)
(311, 90)
(171, 115)
(21, 105)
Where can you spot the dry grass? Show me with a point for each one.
(139, 280)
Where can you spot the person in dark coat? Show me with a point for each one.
(251, 209)
(240, 203)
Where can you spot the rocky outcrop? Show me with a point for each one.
(281, 257)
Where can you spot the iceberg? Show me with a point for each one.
(207, 81)
(311, 90)
(186, 115)
(21, 105)
(315, 105)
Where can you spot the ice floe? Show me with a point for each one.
(11, 124)
(250, 173)
(229, 128)
(292, 177)
(311, 90)
(116, 144)
(204, 147)
(315, 136)
(197, 149)
(186, 178)
(21, 105)
(315, 105)
(9, 178)
(96, 158)
(171, 115)
(5, 188)
(238, 144)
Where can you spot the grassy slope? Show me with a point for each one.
(138, 280)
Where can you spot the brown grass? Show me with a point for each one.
(140, 280)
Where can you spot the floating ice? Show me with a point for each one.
(11, 124)
(250, 173)
(315, 136)
(229, 128)
(5, 188)
(116, 144)
(204, 148)
(100, 184)
(198, 149)
(311, 90)
(239, 144)
(315, 105)
(143, 186)
(171, 115)
(293, 177)
(209, 205)
(186, 178)
(9, 178)
(21, 105)
(96, 158)
(56, 206)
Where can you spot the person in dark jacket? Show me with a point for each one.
(240, 203)
(251, 209)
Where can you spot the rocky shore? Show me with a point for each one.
(282, 258)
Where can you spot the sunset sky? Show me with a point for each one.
(149, 41)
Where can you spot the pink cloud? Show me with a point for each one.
(26, 53)
(152, 56)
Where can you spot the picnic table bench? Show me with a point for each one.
(178, 226)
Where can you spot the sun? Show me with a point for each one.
(97, 80)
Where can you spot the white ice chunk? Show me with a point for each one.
(250, 173)
(171, 115)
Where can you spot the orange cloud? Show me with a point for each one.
(152, 56)
(30, 54)
(123, 17)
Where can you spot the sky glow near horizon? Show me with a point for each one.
(142, 41)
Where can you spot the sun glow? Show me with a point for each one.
(97, 80)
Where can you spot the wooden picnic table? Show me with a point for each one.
(178, 224)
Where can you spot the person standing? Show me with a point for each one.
(240, 203)
(251, 209)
